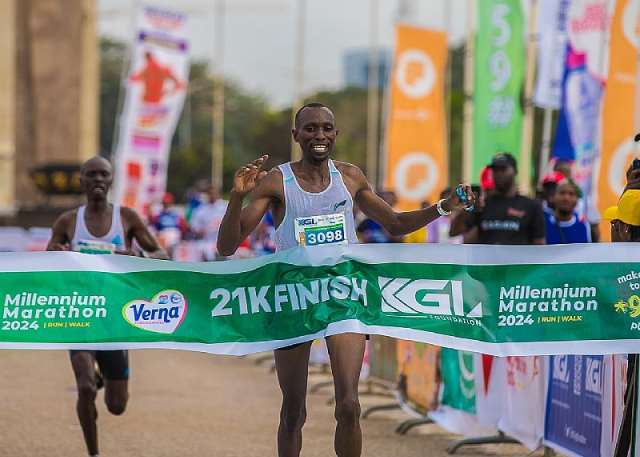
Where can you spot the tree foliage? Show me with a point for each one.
(252, 127)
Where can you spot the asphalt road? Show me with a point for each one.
(185, 404)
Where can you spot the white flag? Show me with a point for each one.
(156, 88)
(552, 49)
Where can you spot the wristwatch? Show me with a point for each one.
(441, 210)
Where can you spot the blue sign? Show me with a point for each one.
(574, 404)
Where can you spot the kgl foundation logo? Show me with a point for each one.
(415, 297)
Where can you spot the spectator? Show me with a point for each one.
(169, 225)
(507, 217)
(369, 231)
(206, 221)
(263, 237)
(195, 198)
(549, 184)
(586, 207)
(625, 227)
(563, 224)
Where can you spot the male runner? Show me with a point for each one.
(316, 186)
(100, 226)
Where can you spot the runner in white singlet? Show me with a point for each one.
(312, 204)
(100, 228)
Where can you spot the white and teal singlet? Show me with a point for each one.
(315, 218)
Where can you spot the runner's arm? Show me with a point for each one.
(59, 239)
(138, 230)
(395, 222)
(239, 222)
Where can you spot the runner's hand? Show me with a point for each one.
(453, 202)
(247, 178)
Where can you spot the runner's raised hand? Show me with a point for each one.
(454, 201)
(247, 177)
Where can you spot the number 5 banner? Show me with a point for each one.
(499, 73)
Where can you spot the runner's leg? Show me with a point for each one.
(346, 352)
(116, 394)
(83, 364)
(292, 367)
(115, 369)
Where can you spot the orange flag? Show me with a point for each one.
(619, 107)
(417, 163)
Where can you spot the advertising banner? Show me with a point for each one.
(500, 300)
(615, 384)
(458, 380)
(491, 383)
(574, 405)
(578, 132)
(619, 107)
(523, 414)
(552, 46)
(456, 413)
(418, 364)
(417, 160)
(155, 93)
(499, 75)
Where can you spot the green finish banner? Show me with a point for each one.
(499, 300)
(499, 75)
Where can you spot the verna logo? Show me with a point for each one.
(162, 314)
(417, 296)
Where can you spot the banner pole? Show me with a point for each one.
(217, 118)
(527, 128)
(373, 95)
(545, 152)
(298, 99)
(467, 153)
(448, 88)
(127, 58)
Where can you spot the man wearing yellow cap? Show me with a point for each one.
(625, 217)
(625, 227)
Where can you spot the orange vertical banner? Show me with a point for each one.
(417, 162)
(418, 365)
(618, 113)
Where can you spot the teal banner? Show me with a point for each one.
(578, 299)
(499, 76)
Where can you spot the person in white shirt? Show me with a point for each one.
(206, 221)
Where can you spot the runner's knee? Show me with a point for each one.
(116, 406)
(87, 390)
(293, 416)
(348, 411)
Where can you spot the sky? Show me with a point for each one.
(259, 50)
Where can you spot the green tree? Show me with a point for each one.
(112, 59)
